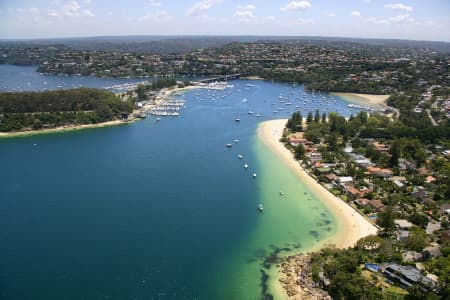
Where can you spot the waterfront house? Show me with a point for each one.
(361, 202)
(376, 205)
(331, 177)
(407, 276)
(314, 157)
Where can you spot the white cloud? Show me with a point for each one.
(246, 7)
(296, 5)
(398, 6)
(304, 21)
(374, 20)
(200, 8)
(367, 1)
(329, 14)
(355, 13)
(87, 1)
(71, 9)
(156, 16)
(400, 18)
(54, 13)
(405, 18)
(244, 15)
(270, 18)
(31, 10)
(154, 3)
(88, 13)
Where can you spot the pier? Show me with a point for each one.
(169, 108)
(220, 78)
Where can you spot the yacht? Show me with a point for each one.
(229, 145)
(240, 156)
(260, 207)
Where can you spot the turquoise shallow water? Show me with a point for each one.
(155, 210)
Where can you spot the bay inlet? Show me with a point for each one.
(158, 210)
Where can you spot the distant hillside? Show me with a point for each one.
(182, 44)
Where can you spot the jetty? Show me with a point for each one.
(220, 78)
(171, 107)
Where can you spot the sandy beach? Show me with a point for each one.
(62, 129)
(364, 99)
(351, 225)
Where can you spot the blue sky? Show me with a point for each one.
(404, 19)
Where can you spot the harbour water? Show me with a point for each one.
(157, 210)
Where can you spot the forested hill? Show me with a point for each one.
(81, 99)
(36, 110)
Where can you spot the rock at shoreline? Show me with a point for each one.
(297, 281)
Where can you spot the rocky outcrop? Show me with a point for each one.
(297, 281)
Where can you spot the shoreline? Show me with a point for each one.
(351, 224)
(164, 94)
(364, 99)
(62, 129)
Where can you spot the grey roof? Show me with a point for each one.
(408, 274)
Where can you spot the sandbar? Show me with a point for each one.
(364, 99)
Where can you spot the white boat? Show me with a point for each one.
(245, 166)
(254, 175)
(257, 115)
(240, 156)
(237, 119)
(236, 141)
(158, 119)
(250, 112)
(229, 145)
(260, 207)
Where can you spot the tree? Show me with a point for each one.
(309, 118)
(417, 240)
(317, 116)
(418, 219)
(386, 219)
(362, 116)
(300, 152)
(395, 154)
(295, 122)
(141, 91)
(324, 118)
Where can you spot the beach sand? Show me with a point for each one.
(62, 129)
(364, 99)
(351, 225)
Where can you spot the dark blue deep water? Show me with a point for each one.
(149, 210)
